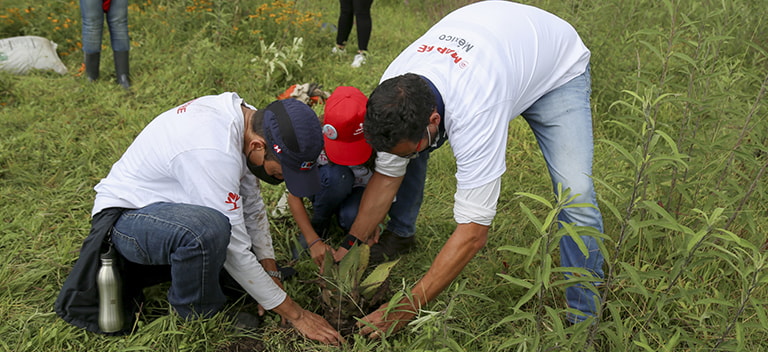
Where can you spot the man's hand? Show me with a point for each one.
(463, 244)
(386, 321)
(339, 254)
(316, 328)
(317, 251)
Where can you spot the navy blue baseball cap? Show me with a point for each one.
(293, 131)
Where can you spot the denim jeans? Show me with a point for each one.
(561, 120)
(405, 208)
(338, 196)
(93, 25)
(191, 239)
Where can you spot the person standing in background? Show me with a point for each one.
(93, 13)
(358, 11)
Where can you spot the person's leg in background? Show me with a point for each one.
(362, 10)
(92, 16)
(346, 20)
(117, 19)
(191, 239)
(562, 123)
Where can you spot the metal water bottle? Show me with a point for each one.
(110, 294)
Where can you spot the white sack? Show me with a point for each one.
(20, 54)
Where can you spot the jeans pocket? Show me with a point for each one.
(129, 247)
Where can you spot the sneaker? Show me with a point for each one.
(338, 51)
(359, 60)
(390, 246)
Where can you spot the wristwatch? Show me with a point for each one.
(276, 274)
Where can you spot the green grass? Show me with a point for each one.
(680, 165)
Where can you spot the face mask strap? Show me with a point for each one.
(287, 133)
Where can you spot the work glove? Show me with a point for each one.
(308, 93)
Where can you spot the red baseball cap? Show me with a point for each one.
(343, 127)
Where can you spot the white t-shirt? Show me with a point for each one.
(490, 61)
(193, 154)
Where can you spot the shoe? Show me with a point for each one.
(122, 69)
(390, 246)
(243, 322)
(92, 66)
(359, 60)
(338, 51)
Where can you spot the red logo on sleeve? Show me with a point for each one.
(232, 198)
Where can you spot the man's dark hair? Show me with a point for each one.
(398, 110)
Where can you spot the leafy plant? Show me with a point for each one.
(277, 65)
(345, 294)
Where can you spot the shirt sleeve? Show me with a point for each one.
(390, 164)
(256, 222)
(251, 242)
(477, 205)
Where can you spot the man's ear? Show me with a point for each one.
(434, 118)
(257, 143)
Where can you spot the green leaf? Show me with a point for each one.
(350, 260)
(516, 281)
(365, 255)
(577, 239)
(515, 249)
(664, 214)
(528, 295)
(670, 345)
(546, 270)
(476, 295)
(627, 155)
(532, 218)
(534, 250)
(644, 346)
(634, 276)
(376, 278)
(348, 269)
(535, 197)
(694, 240)
(328, 262)
(548, 220)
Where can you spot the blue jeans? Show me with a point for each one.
(191, 239)
(405, 208)
(93, 25)
(561, 120)
(338, 196)
(562, 123)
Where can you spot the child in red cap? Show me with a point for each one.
(345, 166)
